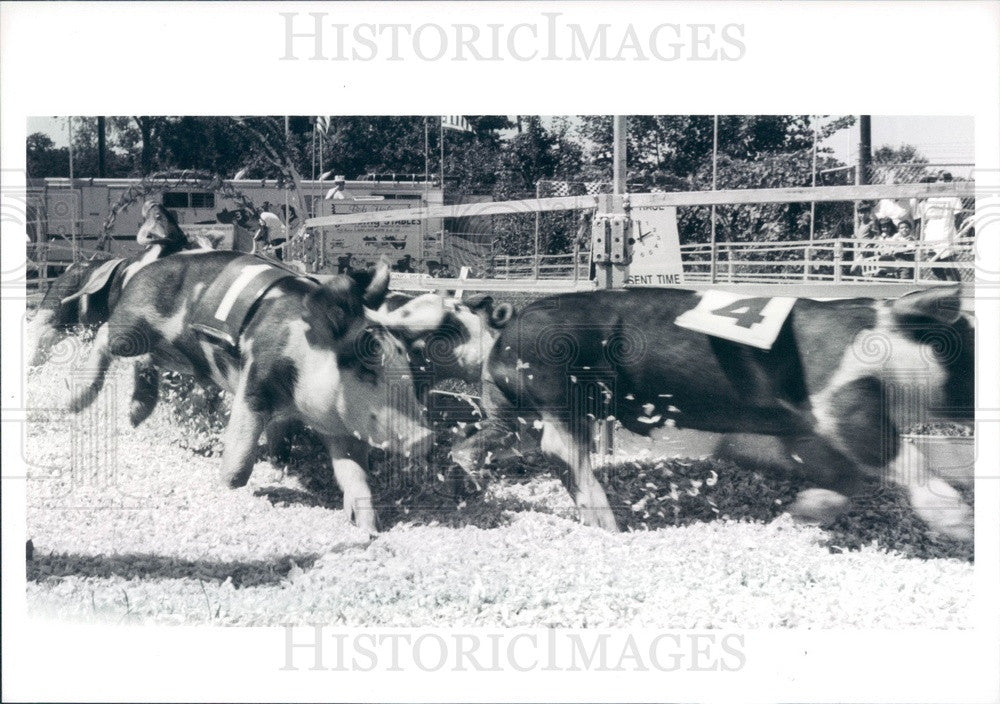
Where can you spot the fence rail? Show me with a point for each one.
(833, 260)
(839, 260)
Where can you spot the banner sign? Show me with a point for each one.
(366, 243)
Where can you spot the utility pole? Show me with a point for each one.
(865, 150)
(69, 124)
(101, 147)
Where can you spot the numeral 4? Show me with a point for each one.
(745, 311)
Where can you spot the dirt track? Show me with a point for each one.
(139, 530)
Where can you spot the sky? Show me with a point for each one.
(942, 139)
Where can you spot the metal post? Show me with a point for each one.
(427, 157)
(69, 123)
(812, 206)
(620, 147)
(606, 428)
(287, 233)
(838, 259)
(714, 252)
(538, 194)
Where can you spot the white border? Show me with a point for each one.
(216, 58)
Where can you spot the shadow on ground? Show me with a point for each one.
(249, 573)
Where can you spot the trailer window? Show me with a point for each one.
(186, 199)
(175, 199)
(202, 200)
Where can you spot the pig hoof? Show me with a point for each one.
(818, 506)
(599, 518)
(138, 412)
(236, 479)
(466, 458)
(957, 526)
(362, 515)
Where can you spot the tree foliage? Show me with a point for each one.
(501, 158)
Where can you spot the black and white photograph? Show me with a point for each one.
(311, 382)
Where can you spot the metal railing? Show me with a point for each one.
(544, 267)
(831, 260)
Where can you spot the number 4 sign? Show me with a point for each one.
(749, 320)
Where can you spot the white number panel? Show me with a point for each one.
(750, 320)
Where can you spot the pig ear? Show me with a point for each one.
(941, 303)
(374, 283)
(480, 301)
(501, 315)
(332, 304)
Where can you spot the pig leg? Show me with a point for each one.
(279, 433)
(88, 381)
(497, 433)
(246, 424)
(837, 476)
(41, 334)
(144, 391)
(938, 504)
(573, 449)
(853, 437)
(348, 457)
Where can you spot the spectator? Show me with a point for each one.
(894, 210)
(905, 230)
(337, 192)
(271, 232)
(886, 228)
(938, 220)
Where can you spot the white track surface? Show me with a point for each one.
(158, 543)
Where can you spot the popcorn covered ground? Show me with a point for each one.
(129, 526)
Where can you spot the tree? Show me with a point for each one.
(44, 159)
(902, 164)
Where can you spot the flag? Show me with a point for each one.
(455, 122)
(558, 188)
(323, 124)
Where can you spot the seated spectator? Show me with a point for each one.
(905, 230)
(886, 228)
(894, 210)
